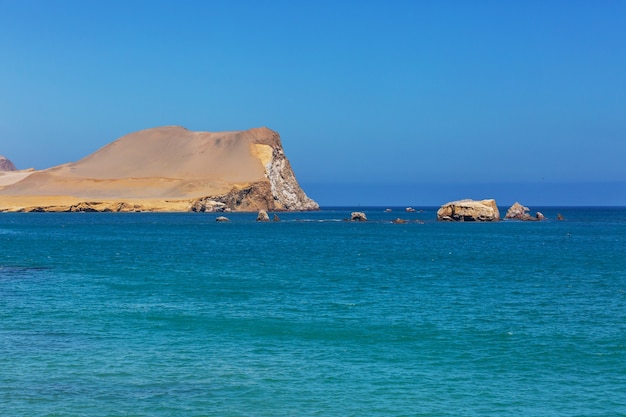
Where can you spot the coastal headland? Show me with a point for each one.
(165, 169)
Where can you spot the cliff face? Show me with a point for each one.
(150, 169)
(283, 184)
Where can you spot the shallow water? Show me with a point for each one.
(175, 314)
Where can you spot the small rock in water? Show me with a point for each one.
(262, 216)
(358, 216)
(222, 219)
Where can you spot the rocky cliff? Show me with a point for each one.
(6, 165)
(168, 169)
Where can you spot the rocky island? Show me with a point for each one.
(469, 210)
(164, 169)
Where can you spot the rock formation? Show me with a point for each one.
(358, 216)
(469, 210)
(6, 165)
(167, 169)
(262, 216)
(520, 212)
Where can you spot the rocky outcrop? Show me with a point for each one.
(254, 197)
(358, 216)
(207, 205)
(520, 212)
(262, 216)
(86, 206)
(469, 210)
(6, 165)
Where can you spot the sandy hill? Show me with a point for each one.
(167, 169)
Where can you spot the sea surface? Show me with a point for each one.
(142, 314)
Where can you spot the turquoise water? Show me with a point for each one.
(176, 315)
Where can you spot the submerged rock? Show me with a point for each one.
(469, 210)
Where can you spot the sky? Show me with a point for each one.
(377, 102)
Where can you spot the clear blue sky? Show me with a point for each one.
(377, 102)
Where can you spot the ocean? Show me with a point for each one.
(146, 314)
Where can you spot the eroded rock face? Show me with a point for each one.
(6, 165)
(469, 210)
(284, 186)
